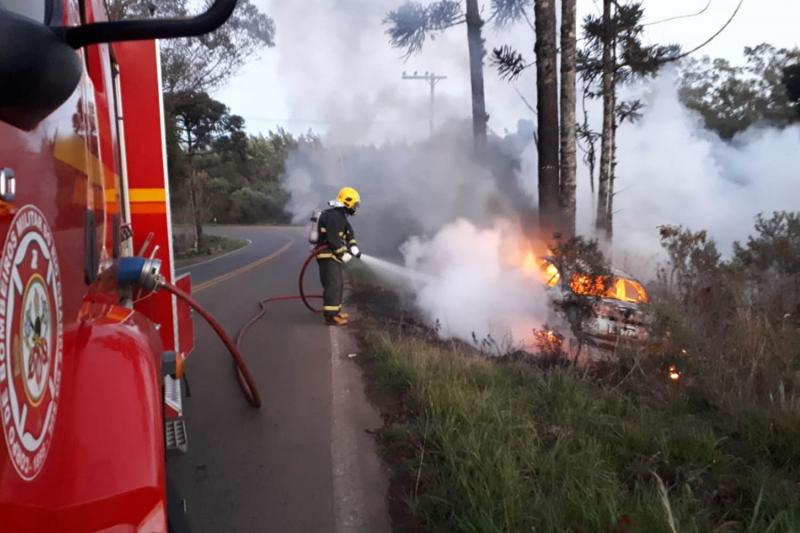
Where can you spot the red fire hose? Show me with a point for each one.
(301, 280)
(245, 378)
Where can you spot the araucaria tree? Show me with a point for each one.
(199, 121)
(731, 98)
(412, 23)
(556, 169)
(614, 55)
(568, 123)
(547, 113)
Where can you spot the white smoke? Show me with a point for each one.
(476, 288)
(406, 188)
(673, 171)
(344, 79)
(445, 207)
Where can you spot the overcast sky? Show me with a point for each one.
(333, 71)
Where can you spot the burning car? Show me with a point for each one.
(602, 310)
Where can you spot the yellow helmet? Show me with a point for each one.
(349, 198)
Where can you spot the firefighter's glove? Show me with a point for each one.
(355, 251)
(346, 257)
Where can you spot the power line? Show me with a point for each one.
(698, 47)
(678, 17)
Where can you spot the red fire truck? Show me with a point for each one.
(90, 353)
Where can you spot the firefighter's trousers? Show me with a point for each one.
(331, 276)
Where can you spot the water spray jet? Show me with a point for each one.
(395, 270)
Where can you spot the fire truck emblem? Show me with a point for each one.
(31, 340)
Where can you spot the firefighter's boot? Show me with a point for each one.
(336, 320)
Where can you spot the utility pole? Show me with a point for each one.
(432, 79)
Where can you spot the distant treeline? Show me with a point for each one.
(219, 173)
(731, 98)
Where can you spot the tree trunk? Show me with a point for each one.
(568, 120)
(604, 181)
(612, 172)
(197, 223)
(476, 53)
(547, 118)
(612, 176)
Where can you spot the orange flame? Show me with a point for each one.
(541, 268)
(548, 340)
(623, 289)
(674, 374)
(619, 288)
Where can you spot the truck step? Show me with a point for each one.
(172, 397)
(175, 433)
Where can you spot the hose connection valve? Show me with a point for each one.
(140, 271)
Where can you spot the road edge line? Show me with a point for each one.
(356, 466)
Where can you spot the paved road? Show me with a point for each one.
(303, 462)
(260, 239)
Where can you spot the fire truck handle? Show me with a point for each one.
(137, 30)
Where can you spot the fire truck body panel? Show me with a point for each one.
(105, 465)
(80, 371)
(147, 190)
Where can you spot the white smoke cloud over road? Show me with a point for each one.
(407, 188)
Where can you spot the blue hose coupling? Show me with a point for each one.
(139, 271)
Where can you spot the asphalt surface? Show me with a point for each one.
(304, 461)
(260, 239)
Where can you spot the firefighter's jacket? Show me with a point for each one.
(335, 231)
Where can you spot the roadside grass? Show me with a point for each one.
(210, 245)
(696, 431)
(490, 445)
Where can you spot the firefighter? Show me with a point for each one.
(336, 234)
